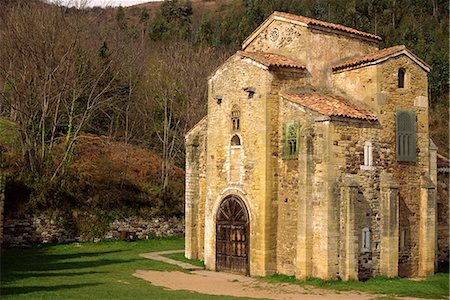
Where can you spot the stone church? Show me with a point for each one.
(314, 159)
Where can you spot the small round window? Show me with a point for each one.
(274, 34)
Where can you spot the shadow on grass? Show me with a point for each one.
(31, 289)
(21, 263)
(23, 275)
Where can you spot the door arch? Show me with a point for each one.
(232, 236)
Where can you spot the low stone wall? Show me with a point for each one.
(40, 229)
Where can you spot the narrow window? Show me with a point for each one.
(402, 240)
(406, 136)
(368, 154)
(290, 140)
(235, 118)
(365, 241)
(401, 78)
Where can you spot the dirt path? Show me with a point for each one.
(215, 283)
(226, 284)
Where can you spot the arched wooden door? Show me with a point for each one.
(232, 236)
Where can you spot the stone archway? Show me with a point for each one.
(232, 236)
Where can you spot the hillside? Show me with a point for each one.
(95, 103)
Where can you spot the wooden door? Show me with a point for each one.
(232, 237)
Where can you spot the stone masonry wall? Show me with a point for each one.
(41, 229)
(253, 187)
(407, 175)
(348, 148)
(319, 50)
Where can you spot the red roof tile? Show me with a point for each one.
(329, 105)
(272, 60)
(374, 56)
(319, 23)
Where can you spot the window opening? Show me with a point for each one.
(235, 118)
(368, 159)
(235, 140)
(401, 78)
(251, 91)
(406, 136)
(402, 240)
(365, 245)
(290, 136)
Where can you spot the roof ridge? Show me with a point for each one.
(316, 22)
(375, 56)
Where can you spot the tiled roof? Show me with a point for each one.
(374, 56)
(329, 105)
(314, 22)
(272, 60)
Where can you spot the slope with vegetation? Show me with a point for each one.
(96, 101)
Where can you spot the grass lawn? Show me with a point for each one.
(433, 287)
(87, 271)
(104, 271)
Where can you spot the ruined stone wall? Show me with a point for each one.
(255, 182)
(42, 229)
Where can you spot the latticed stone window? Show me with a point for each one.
(406, 136)
(235, 118)
(290, 140)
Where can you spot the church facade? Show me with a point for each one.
(314, 158)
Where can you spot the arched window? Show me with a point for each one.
(401, 78)
(235, 118)
(235, 140)
(406, 136)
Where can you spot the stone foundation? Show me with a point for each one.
(41, 229)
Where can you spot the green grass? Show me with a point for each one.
(433, 287)
(8, 132)
(87, 271)
(104, 271)
(180, 257)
